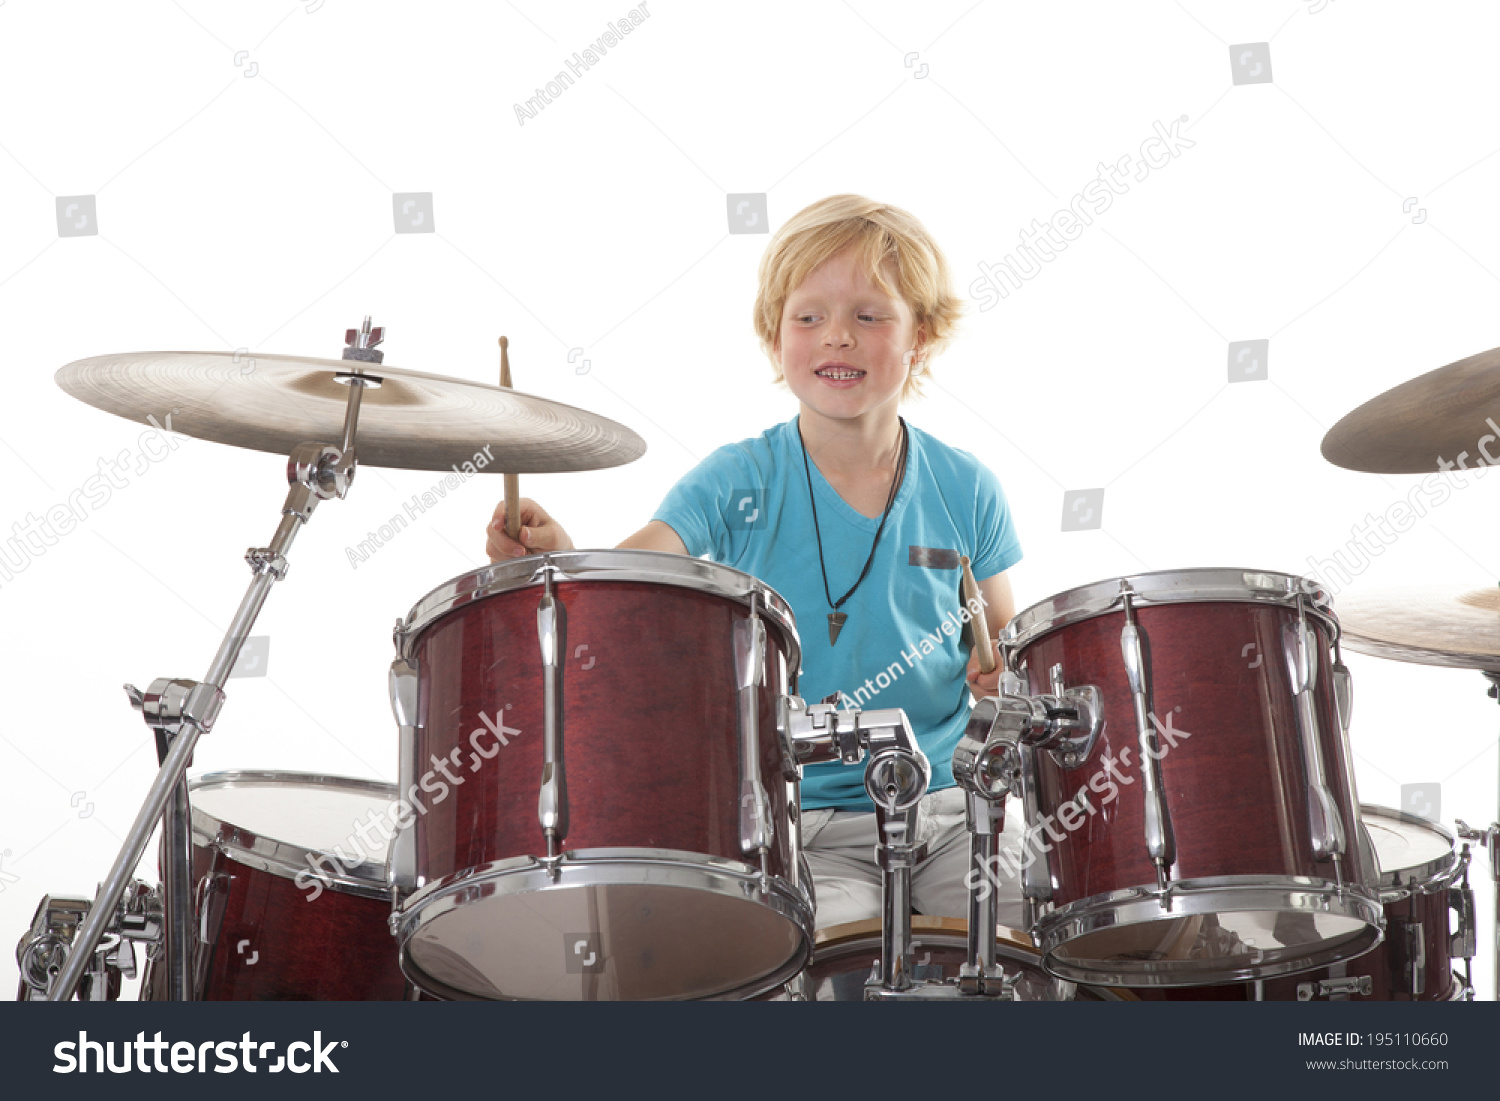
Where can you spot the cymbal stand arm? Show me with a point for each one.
(184, 710)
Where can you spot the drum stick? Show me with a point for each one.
(983, 645)
(512, 481)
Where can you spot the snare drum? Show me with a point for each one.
(602, 806)
(1422, 879)
(846, 955)
(1209, 833)
(290, 890)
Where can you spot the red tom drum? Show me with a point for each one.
(601, 804)
(1210, 831)
(290, 890)
(1422, 880)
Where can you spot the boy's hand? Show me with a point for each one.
(539, 533)
(984, 684)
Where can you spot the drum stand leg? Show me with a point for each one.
(183, 710)
(897, 853)
(986, 818)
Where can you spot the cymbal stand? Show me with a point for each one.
(1490, 839)
(182, 711)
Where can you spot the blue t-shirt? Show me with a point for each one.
(746, 506)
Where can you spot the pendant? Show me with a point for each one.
(835, 625)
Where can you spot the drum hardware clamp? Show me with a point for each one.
(995, 758)
(50, 940)
(187, 710)
(1335, 988)
(1488, 838)
(896, 779)
(1464, 943)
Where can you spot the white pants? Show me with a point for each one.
(840, 850)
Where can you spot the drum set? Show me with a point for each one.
(560, 831)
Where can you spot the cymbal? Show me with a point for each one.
(1407, 429)
(413, 421)
(1452, 626)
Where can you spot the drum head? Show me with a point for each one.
(614, 925)
(1227, 929)
(329, 828)
(1412, 852)
(846, 955)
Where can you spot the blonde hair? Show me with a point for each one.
(879, 233)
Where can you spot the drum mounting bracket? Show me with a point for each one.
(47, 944)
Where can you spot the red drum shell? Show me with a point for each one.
(337, 947)
(1385, 965)
(269, 937)
(1234, 785)
(652, 860)
(1417, 899)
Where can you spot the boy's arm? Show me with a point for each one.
(655, 536)
(999, 608)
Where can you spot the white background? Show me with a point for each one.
(255, 211)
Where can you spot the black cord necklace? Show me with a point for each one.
(836, 618)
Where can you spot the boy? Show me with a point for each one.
(865, 519)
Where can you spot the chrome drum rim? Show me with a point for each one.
(280, 857)
(584, 868)
(1211, 584)
(1424, 877)
(1214, 896)
(642, 566)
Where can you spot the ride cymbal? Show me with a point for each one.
(1452, 626)
(412, 421)
(1412, 427)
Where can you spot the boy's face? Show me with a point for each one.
(838, 316)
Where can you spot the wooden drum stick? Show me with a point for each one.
(979, 626)
(512, 481)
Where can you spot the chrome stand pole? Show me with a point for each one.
(184, 710)
(895, 780)
(177, 856)
(986, 818)
(897, 852)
